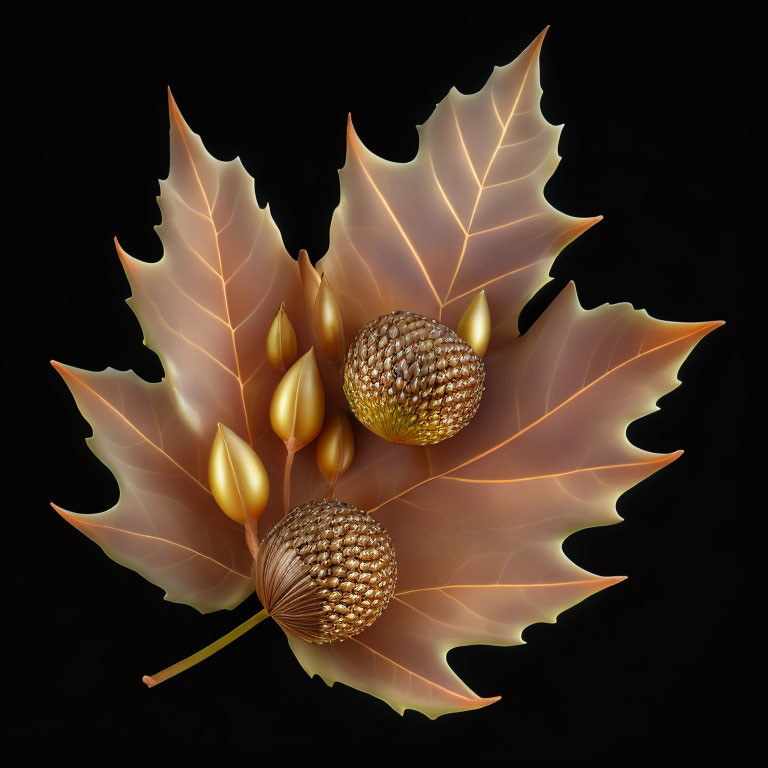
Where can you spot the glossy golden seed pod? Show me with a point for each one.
(335, 447)
(237, 478)
(475, 324)
(297, 409)
(411, 379)
(328, 325)
(326, 571)
(281, 341)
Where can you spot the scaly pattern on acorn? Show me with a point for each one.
(326, 571)
(411, 379)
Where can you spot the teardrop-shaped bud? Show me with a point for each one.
(297, 409)
(281, 341)
(310, 282)
(475, 324)
(329, 328)
(237, 478)
(335, 447)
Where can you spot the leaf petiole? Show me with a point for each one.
(209, 650)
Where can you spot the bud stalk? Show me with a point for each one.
(297, 410)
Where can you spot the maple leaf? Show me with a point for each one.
(166, 524)
(466, 214)
(477, 521)
(205, 308)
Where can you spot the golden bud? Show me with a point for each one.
(329, 328)
(281, 341)
(475, 324)
(335, 447)
(313, 600)
(237, 477)
(298, 405)
(411, 379)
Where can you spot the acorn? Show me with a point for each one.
(412, 380)
(326, 571)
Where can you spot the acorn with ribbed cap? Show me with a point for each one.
(326, 571)
(411, 379)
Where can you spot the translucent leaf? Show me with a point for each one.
(166, 524)
(467, 213)
(205, 308)
(478, 521)
(205, 305)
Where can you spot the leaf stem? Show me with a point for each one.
(209, 650)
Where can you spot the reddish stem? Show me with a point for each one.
(331, 487)
(287, 481)
(251, 536)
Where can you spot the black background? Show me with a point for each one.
(661, 138)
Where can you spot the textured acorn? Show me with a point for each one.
(412, 380)
(326, 571)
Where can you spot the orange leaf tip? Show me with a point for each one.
(173, 108)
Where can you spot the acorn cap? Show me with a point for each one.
(412, 380)
(326, 571)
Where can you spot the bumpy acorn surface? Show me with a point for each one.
(326, 571)
(411, 379)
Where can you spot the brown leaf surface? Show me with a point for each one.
(166, 525)
(467, 213)
(478, 521)
(205, 308)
